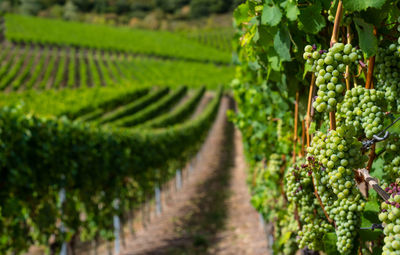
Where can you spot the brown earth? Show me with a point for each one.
(211, 214)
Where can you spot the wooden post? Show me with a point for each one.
(309, 106)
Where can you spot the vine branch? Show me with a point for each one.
(372, 182)
(336, 25)
(320, 201)
(309, 106)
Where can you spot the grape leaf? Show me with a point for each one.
(273, 59)
(291, 9)
(368, 41)
(271, 15)
(282, 43)
(359, 5)
(241, 13)
(329, 241)
(311, 20)
(266, 36)
(370, 235)
(284, 238)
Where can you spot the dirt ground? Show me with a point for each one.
(211, 214)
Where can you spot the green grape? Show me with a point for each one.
(391, 157)
(338, 152)
(390, 217)
(300, 193)
(268, 176)
(364, 109)
(387, 73)
(329, 67)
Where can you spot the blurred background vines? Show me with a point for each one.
(148, 14)
(295, 61)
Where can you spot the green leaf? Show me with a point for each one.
(266, 36)
(311, 19)
(291, 9)
(285, 237)
(273, 59)
(271, 15)
(368, 41)
(370, 235)
(359, 5)
(241, 13)
(329, 241)
(282, 44)
(312, 128)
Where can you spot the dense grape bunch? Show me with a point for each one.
(387, 72)
(390, 216)
(329, 68)
(364, 110)
(274, 163)
(288, 225)
(339, 153)
(300, 192)
(391, 157)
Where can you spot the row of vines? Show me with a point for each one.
(317, 87)
(65, 181)
(25, 67)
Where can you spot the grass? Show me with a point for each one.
(159, 43)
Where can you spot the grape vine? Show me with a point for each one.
(343, 89)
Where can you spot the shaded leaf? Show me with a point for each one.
(370, 235)
(368, 41)
(311, 19)
(282, 44)
(329, 241)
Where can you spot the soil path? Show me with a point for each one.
(211, 214)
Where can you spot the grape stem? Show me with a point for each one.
(372, 182)
(320, 201)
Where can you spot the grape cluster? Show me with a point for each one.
(329, 68)
(339, 153)
(274, 163)
(364, 110)
(390, 216)
(391, 167)
(286, 225)
(300, 192)
(387, 72)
